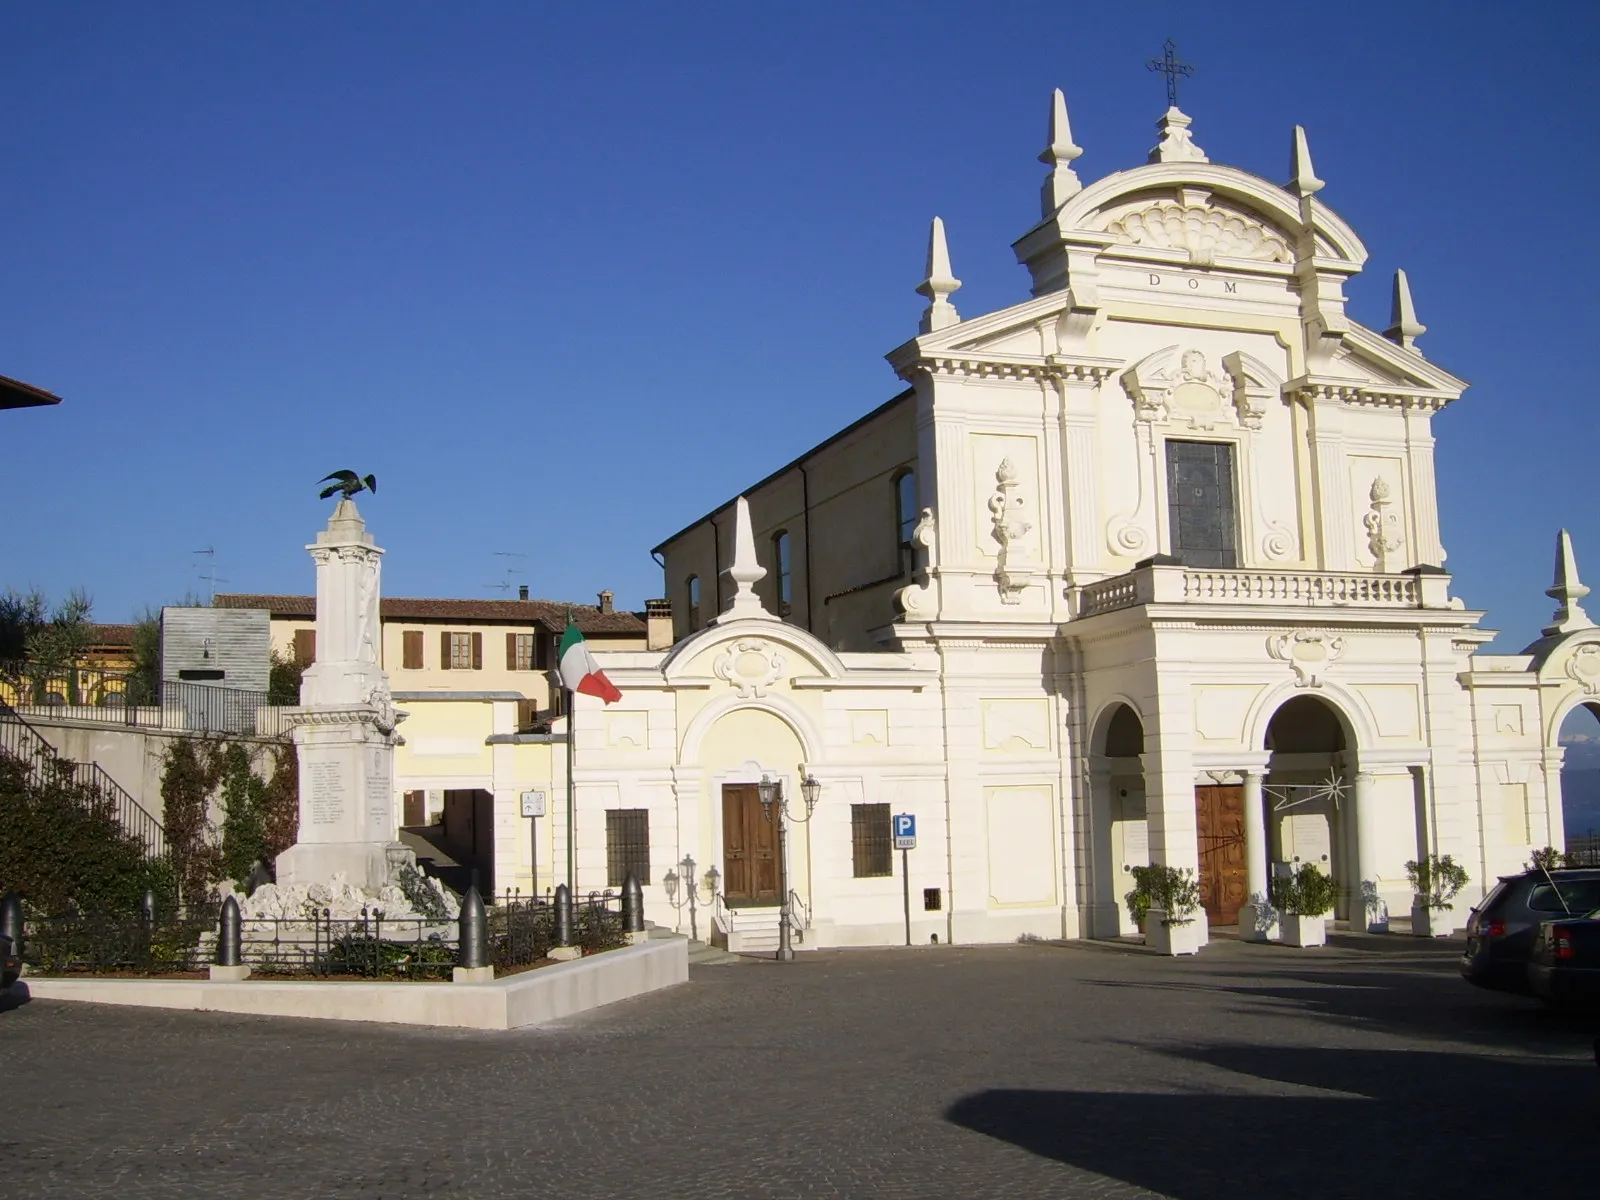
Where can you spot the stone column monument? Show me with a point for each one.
(344, 727)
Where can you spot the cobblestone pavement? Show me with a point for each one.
(1367, 1069)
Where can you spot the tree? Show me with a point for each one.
(283, 680)
(52, 639)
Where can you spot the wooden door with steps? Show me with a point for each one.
(749, 848)
(1224, 878)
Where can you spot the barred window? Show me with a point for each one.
(628, 845)
(872, 844)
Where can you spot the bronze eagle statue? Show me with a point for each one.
(349, 483)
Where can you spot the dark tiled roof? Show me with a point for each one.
(550, 613)
(16, 394)
(111, 635)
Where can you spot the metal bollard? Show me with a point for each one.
(231, 935)
(147, 906)
(632, 905)
(11, 920)
(563, 915)
(474, 932)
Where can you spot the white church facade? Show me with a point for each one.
(1131, 571)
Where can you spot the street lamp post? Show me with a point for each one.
(691, 890)
(775, 807)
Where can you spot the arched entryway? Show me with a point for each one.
(1122, 838)
(1307, 794)
(1580, 777)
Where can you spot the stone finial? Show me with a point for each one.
(1303, 179)
(1176, 145)
(1062, 183)
(1404, 328)
(939, 284)
(745, 572)
(1567, 591)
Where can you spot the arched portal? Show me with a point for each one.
(1308, 794)
(1122, 839)
(1580, 776)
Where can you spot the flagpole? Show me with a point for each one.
(572, 715)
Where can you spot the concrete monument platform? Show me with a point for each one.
(515, 1002)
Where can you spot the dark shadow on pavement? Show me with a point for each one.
(1389, 1123)
(14, 996)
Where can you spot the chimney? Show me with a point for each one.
(658, 624)
(522, 591)
(606, 598)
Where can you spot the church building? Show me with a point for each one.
(1145, 567)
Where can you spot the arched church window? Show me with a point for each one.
(780, 556)
(905, 507)
(693, 588)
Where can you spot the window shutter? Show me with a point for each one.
(511, 652)
(411, 643)
(305, 646)
(444, 650)
(477, 652)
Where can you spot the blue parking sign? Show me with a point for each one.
(905, 831)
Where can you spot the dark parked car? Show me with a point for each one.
(10, 964)
(1502, 928)
(1564, 966)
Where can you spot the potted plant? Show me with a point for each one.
(1436, 880)
(1165, 901)
(1305, 897)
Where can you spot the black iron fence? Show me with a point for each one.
(522, 930)
(104, 944)
(1584, 850)
(370, 946)
(113, 697)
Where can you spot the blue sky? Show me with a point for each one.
(566, 276)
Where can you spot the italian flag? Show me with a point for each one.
(580, 672)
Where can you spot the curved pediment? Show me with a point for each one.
(1204, 230)
(1207, 210)
(752, 655)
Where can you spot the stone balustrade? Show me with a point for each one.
(1293, 589)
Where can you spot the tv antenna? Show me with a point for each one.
(208, 572)
(505, 584)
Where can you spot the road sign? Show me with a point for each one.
(905, 831)
(533, 804)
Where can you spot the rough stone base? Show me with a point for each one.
(472, 975)
(230, 974)
(565, 953)
(363, 864)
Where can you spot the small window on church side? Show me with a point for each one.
(693, 588)
(780, 556)
(871, 841)
(905, 508)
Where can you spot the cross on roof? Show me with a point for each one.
(1172, 67)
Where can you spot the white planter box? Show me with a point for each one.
(1259, 922)
(1172, 939)
(1304, 931)
(1432, 922)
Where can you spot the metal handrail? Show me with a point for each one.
(799, 914)
(27, 745)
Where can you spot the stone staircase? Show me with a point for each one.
(700, 954)
(753, 931)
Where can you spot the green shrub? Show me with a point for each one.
(1173, 890)
(62, 847)
(1436, 879)
(1308, 892)
(1547, 859)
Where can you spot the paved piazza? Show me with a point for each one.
(1367, 1069)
